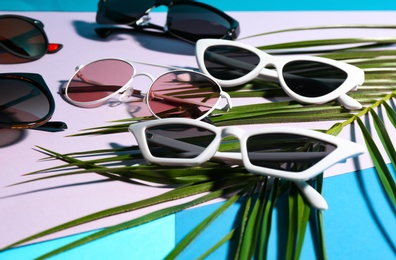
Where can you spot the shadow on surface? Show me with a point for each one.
(155, 41)
(10, 137)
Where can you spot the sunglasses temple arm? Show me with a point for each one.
(170, 142)
(97, 86)
(228, 106)
(52, 126)
(179, 100)
(144, 23)
(104, 32)
(54, 48)
(349, 102)
(161, 66)
(312, 195)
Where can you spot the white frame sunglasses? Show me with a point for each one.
(126, 90)
(354, 79)
(344, 150)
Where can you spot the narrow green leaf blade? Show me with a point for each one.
(266, 221)
(379, 163)
(140, 220)
(201, 227)
(385, 139)
(303, 216)
(177, 193)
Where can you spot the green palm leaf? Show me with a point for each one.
(253, 231)
(201, 227)
(141, 220)
(379, 164)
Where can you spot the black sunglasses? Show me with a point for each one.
(186, 20)
(23, 39)
(26, 102)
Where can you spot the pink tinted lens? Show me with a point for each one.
(98, 80)
(182, 94)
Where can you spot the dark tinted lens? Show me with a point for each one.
(312, 79)
(227, 62)
(192, 22)
(178, 141)
(21, 38)
(182, 94)
(286, 151)
(22, 102)
(121, 11)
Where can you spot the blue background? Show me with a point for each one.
(359, 224)
(227, 5)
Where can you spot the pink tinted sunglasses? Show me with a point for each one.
(177, 93)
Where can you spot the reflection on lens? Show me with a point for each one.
(178, 141)
(22, 38)
(312, 79)
(98, 80)
(227, 62)
(192, 23)
(22, 102)
(182, 94)
(286, 152)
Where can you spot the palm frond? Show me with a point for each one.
(252, 233)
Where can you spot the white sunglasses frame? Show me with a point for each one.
(127, 90)
(355, 75)
(344, 150)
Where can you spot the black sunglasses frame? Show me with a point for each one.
(43, 123)
(106, 16)
(37, 24)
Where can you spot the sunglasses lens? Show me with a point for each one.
(178, 140)
(121, 11)
(228, 63)
(98, 80)
(182, 94)
(312, 79)
(191, 22)
(22, 39)
(286, 152)
(22, 102)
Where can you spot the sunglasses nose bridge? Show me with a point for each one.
(232, 131)
(128, 89)
(270, 71)
(145, 75)
(270, 63)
